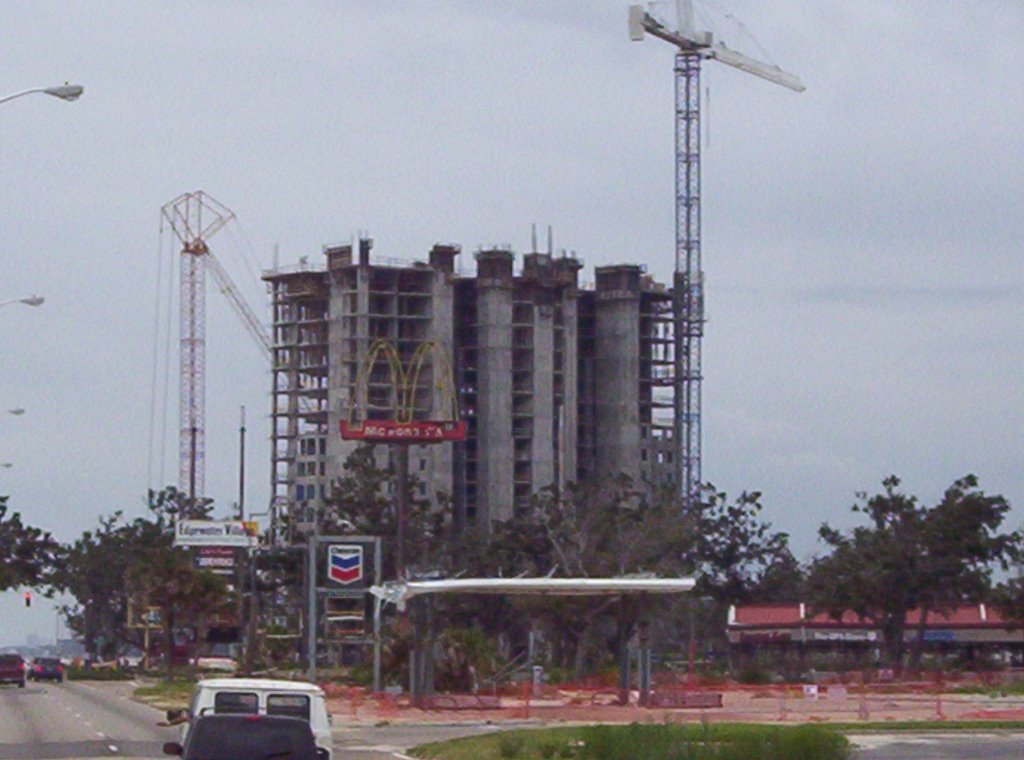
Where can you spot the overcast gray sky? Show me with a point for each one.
(861, 240)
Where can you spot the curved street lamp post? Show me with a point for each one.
(28, 301)
(64, 92)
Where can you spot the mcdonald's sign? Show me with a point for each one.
(402, 428)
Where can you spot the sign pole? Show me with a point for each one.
(402, 505)
(311, 609)
(376, 616)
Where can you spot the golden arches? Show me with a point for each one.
(405, 382)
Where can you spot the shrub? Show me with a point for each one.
(754, 673)
(97, 674)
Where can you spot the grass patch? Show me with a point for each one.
(647, 742)
(172, 694)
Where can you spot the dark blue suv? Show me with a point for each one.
(46, 669)
(248, 737)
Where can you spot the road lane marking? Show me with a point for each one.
(395, 751)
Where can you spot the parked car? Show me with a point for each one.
(258, 696)
(248, 737)
(130, 659)
(12, 669)
(46, 669)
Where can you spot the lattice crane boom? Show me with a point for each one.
(227, 286)
(688, 280)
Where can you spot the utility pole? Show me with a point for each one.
(241, 468)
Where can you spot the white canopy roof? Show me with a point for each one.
(400, 592)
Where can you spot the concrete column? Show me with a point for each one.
(494, 394)
(343, 335)
(567, 270)
(617, 366)
(442, 332)
(543, 444)
(337, 375)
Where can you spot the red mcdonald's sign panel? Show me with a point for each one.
(392, 431)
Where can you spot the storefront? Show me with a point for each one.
(792, 633)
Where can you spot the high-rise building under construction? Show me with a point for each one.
(557, 381)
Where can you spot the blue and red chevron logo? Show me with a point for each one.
(345, 563)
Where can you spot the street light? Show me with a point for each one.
(32, 300)
(64, 92)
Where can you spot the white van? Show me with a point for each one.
(263, 696)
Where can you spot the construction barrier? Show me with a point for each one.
(931, 700)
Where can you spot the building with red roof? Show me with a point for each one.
(796, 627)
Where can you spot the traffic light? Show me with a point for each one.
(28, 598)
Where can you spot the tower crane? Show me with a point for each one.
(688, 280)
(194, 218)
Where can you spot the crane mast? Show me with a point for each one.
(688, 280)
(192, 367)
(194, 218)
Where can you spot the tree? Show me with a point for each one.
(166, 578)
(92, 570)
(735, 553)
(601, 528)
(121, 564)
(611, 528)
(26, 553)
(962, 546)
(911, 557)
(359, 502)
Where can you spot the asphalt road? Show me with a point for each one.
(76, 720)
(70, 720)
(80, 720)
(906, 745)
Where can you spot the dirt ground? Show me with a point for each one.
(766, 706)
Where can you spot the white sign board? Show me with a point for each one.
(214, 533)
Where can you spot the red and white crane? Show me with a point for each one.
(195, 218)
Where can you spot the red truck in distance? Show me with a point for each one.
(13, 669)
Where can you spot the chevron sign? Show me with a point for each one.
(345, 563)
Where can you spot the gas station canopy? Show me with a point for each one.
(399, 592)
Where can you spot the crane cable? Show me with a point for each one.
(154, 371)
(167, 360)
(161, 318)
